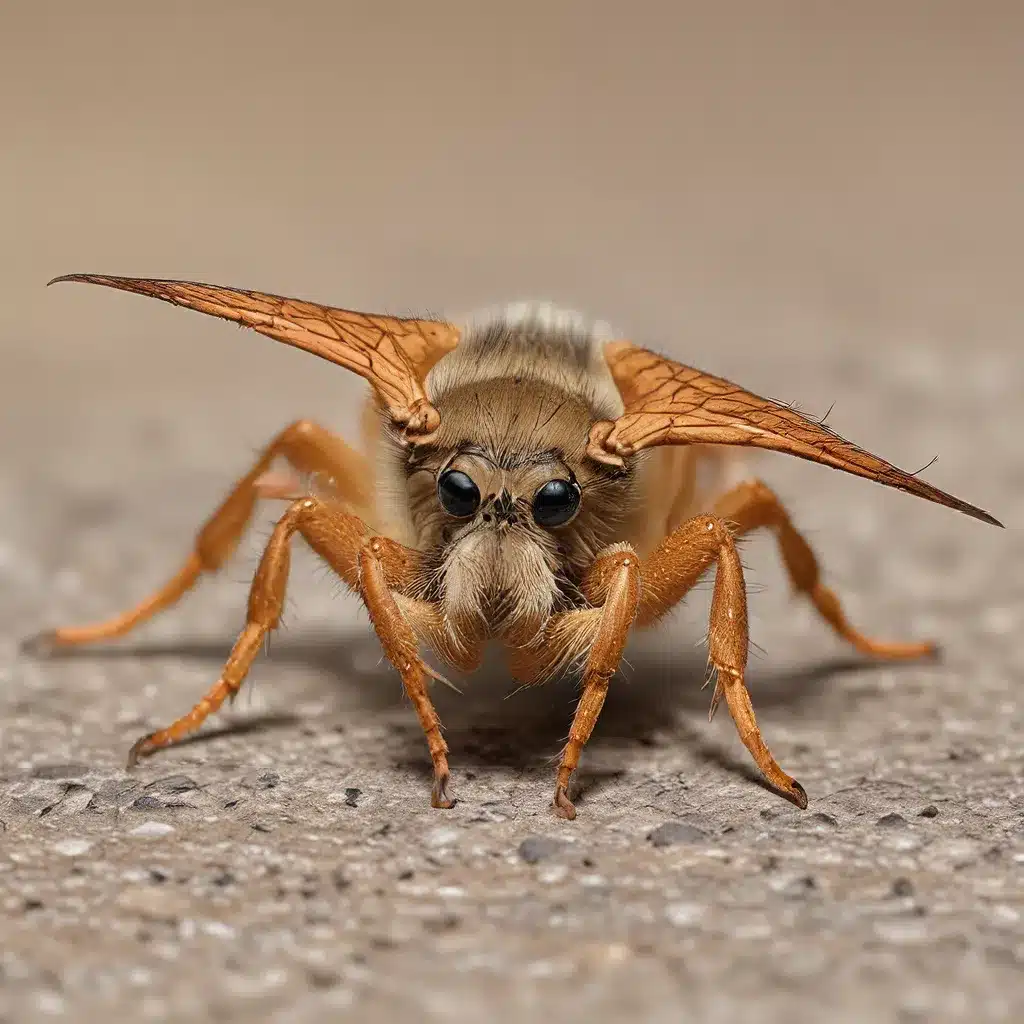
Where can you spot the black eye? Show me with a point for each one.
(457, 493)
(556, 503)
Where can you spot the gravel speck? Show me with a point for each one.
(673, 832)
(892, 820)
(73, 847)
(148, 802)
(261, 780)
(902, 888)
(152, 829)
(537, 848)
(931, 811)
(683, 915)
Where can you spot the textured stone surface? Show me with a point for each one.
(830, 213)
(287, 863)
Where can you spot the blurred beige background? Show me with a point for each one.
(707, 176)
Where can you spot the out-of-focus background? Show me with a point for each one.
(822, 201)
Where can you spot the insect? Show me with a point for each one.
(528, 481)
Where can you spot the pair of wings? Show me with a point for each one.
(665, 402)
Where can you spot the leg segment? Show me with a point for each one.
(308, 448)
(625, 594)
(374, 567)
(673, 569)
(751, 506)
(614, 583)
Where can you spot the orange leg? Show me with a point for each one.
(371, 565)
(752, 506)
(613, 583)
(627, 593)
(309, 449)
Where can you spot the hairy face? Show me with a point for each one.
(508, 511)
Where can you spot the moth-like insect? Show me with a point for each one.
(530, 481)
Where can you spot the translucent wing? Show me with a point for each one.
(667, 403)
(394, 355)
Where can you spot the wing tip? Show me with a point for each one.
(942, 498)
(985, 517)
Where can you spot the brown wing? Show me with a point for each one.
(667, 403)
(394, 355)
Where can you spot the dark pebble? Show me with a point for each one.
(352, 796)
(902, 888)
(537, 848)
(148, 802)
(264, 780)
(893, 820)
(931, 811)
(800, 887)
(673, 832)
(445, 923)
(323, 977)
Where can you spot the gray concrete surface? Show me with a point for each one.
(825, 207)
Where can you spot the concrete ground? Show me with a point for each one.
(286, 866)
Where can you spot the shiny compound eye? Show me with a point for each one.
(459, 496)
(556, 502)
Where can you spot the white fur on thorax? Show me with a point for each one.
(545, 314)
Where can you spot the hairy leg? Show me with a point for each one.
(308, 448)
(669, 573)
(373, 566)
(751, 506)
(625, 593)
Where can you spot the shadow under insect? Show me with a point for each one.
(658, 699)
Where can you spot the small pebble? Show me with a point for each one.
(352, 796)
(683, 915)
(537, 848)
(893, 820)
(800, 887)
(931, 811)
(902, 888)
(148, 802)
(151, 829)
(825, 819)
(440, 837)
(73, 847)
(673, 832)
(262, 780)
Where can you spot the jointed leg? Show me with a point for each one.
(753, 505)
(374, 567)
(673, 569)
(625, 593)
(613, 583)
(308, 448)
